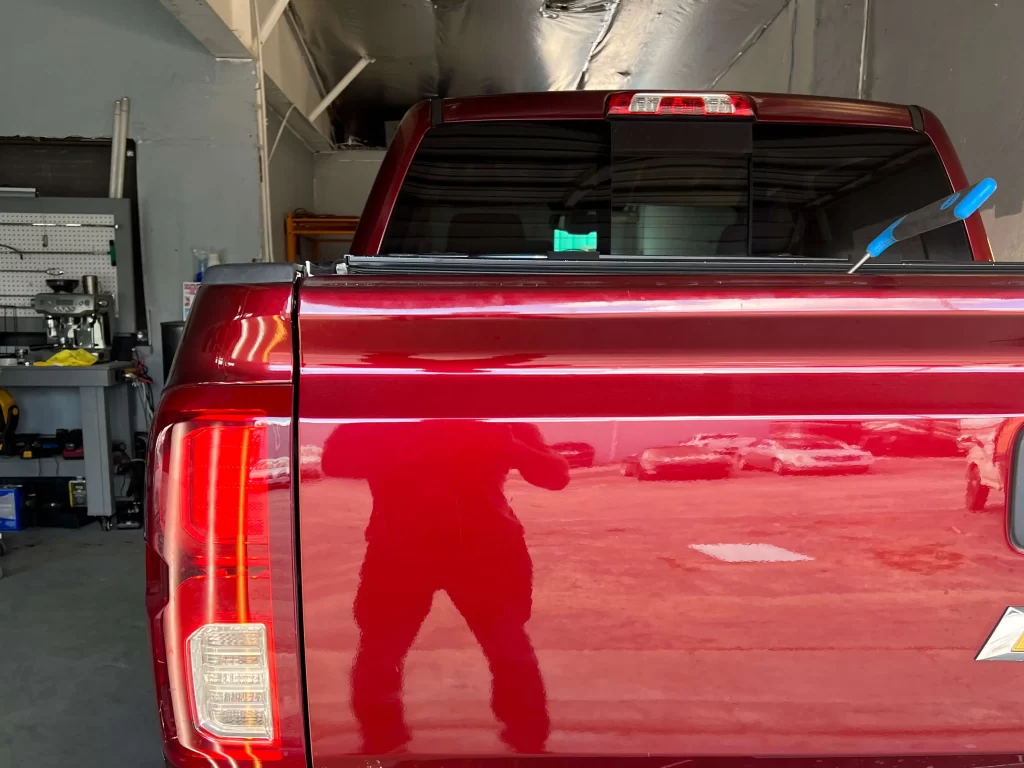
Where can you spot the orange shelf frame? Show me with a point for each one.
(319, 229)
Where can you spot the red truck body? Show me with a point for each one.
(434, 580)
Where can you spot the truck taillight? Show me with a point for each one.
(696, 104)
(230, 649)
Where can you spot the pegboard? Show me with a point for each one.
(83, 249)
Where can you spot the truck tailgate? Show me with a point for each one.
(675, 516)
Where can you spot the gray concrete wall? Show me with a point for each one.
(193, 118)
(781, 60)
(961, 60)
(291, 180)
(965, 65)
(342, 180)
(837, 42)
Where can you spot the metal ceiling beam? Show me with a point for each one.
(344, 83)
(212, 24)
(272, 18)
(224, 27)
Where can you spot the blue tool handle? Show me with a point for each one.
(948, 210)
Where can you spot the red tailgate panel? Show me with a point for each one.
(476, 583)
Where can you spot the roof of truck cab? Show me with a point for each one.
(582, 105)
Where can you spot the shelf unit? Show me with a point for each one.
(317, 229)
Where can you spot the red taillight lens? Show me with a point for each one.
(226, 483)
(218, 484)
(696, 104)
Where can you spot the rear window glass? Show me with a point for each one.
(668, 189)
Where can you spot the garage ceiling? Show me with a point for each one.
(426, 48)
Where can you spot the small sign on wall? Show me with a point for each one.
(189, 291)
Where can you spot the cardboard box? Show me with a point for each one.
(188, 292)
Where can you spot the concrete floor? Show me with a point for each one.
(76, 684)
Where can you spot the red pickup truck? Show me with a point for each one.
(364, 540)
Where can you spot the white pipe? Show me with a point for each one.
(863, 49)
(119, 148)
(280, 131)
(272, 18)
(341, 86)
(126, 110)
(114, 143)
(261, 134)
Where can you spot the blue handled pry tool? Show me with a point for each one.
(956, 207)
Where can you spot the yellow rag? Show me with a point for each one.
(70, 357)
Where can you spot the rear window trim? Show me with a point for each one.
(539, 264)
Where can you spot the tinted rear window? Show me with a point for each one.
(668, 189)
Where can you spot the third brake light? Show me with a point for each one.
(678, 104)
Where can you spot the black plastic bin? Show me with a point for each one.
(170, 339)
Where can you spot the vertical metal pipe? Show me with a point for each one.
(114, 144)
(126, 109)
(261, 133)
(864, 49)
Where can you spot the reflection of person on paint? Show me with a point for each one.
(441, 521)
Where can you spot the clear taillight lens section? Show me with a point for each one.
(696, 104)
(231, 680)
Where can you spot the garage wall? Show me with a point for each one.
(193, 118)
(291, 180)
(342, 180)
(837, 42)
(961, 60)
(965, 65)
(781, 60)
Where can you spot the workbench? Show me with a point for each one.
(98, 388)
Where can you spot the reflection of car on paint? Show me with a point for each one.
(274, 472)
(883, 437)
(579, 455)
(309, 461)
(677, 462)
(721, 442)
(911, 437)
(806, 454)
(983, 440)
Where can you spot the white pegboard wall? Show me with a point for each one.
(77, 250)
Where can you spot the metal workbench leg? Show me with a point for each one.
(119, 406)
(96, 444)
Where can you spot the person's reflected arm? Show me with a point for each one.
(536, 462)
